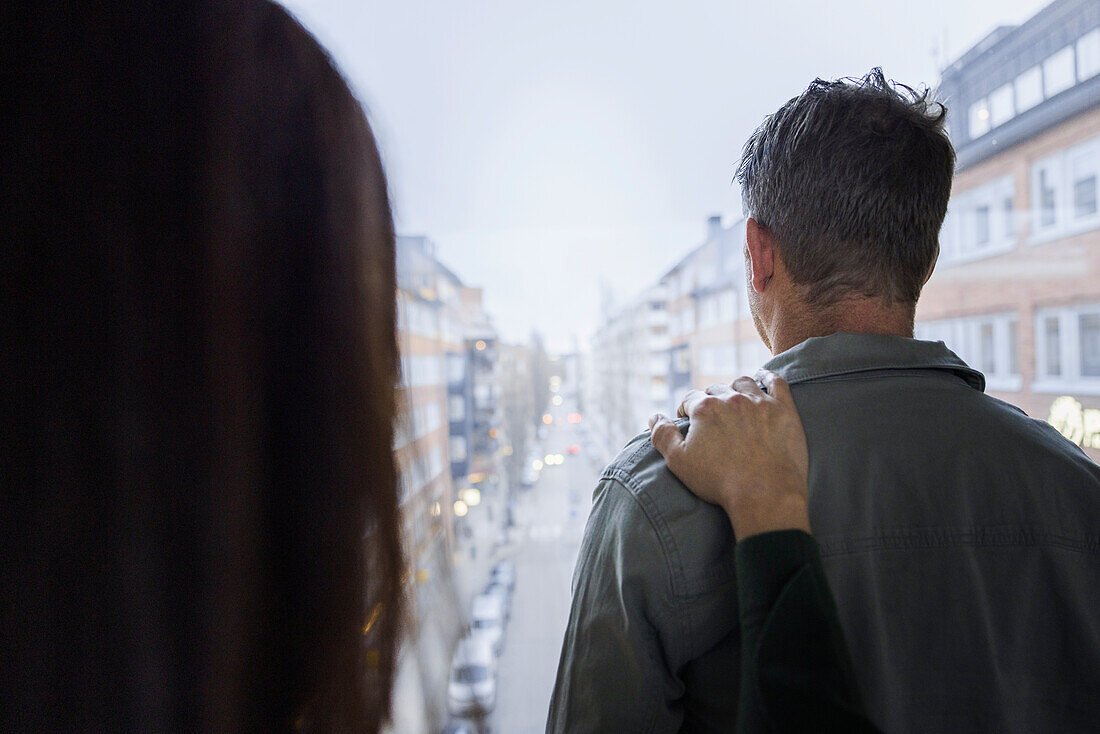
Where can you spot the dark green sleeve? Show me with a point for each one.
(797, 674)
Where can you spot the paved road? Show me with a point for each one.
(550, 518)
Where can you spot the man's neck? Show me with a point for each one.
(859, 316)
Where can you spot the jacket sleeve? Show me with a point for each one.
(797, 673)
(612, 675)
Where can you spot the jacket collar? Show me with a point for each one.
(844, 353)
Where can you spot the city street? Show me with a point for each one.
(543, 544)
(550, 521)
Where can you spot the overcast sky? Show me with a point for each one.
(547, 147)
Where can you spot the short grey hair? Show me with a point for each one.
(852, 177)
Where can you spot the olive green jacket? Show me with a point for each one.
(960, 537)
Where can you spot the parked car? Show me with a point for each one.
(495, 588)
(460, 727)
(472, 687)
(488, 620)
(504, 572)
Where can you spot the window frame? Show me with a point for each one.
(1071, 379)
(1062, 169)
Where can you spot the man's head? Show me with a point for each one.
(848, 183)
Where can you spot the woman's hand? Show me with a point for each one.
(744, 451)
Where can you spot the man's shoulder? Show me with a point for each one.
(695, 535)
(642, 471)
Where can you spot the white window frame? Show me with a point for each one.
(1071, 380)
(1029, 89)
(456, 408)
(963, 336)
(1059, 71)
(958, 236)
(1002, 105)
(1061, 170)
(978, 118)
(457, 447)
(1088, 55)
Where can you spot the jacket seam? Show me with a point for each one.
(668, 547)
(809, 375)
(975, 537)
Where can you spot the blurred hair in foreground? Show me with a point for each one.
(199, 494)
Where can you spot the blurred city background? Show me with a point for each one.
(572, 262)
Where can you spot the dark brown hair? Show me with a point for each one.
(852, 177)
(199, 525)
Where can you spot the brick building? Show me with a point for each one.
(1016, 292)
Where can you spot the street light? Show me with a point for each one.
(461, 508)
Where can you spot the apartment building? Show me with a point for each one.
(518, 414)
(428, 329)
(447, 437)
(712, 336)
(629, 369)
(1016, 292)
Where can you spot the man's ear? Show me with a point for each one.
(762, 253)
(933, 268)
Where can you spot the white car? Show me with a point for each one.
(504, 572)
(495, 588)
(488, 620)
(472, 687)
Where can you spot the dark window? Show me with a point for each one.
(1084, 196)
(989, 361)
(981, 225)
(1053, 342)
(1010, 217)
(1046, 201)
(471, 674)
(1013, 341)
(1089, 327)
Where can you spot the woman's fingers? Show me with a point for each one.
(667, 439)
(747, 386)
(776, 385)
(691, 399)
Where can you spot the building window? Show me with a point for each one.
(1046, 200)
(1088, 327)
(1084, 185)
(1084, 196)
(974, 227)
(1088, 55)
(1000, 105)
(979, 118)
(1068, 354)
(458, 448)
(681, 360)
(1013, 347)
(1029, 89)
(1053, 346)
(457, 408)
(988, 357)
(1058, 72)
(981, 225)
(456, 368)
(987, 342)
(1065, 191)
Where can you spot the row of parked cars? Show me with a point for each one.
(472, 688)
